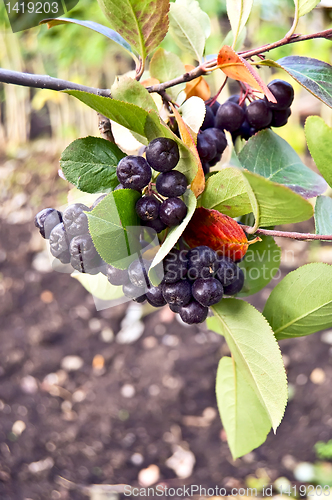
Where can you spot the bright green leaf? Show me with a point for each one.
(114, 227)
(323, 215)
(128, 90)
(270, 156)
(99, 286)
(306, 6)
(302, 302)
(277, 203)
(260, 265)
(243, 416)
(166, 66)
(255, 351)
(319, 140)
(238, 12)
(174, 234)
(90, 164)
(142, 23)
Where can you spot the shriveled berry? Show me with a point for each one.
(172, 183)
(83, 246)
(64, 257)
(236, 286)
(137, 272)
(202, 262)
(258, 114)
(116, 276)
(207, 292)
(162, 154)
(178, 294)
(134, 172)
(193, 313)
(175, 266)
(227, 271)
(46, 220)
(59, 241)
(208, 119)
(172, 211)
(229, 116)
(283, 92)
(280, 117)
(84, 265)
(75, 220)
(155, 296)
(147, 208)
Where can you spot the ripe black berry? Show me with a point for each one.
(178, 294)
(133, 292)
(82, 245)
(172, 184)
(207, 292)
(46, 220)
(202, 262)
(280, 117)
(218, 137)
(258, 114)
(174, 308)
(137, 272)
(116, 276)
(147, 208)
(236, 286)
(206, 167)
(84, 265)
(162, 154)
(140, 299)
(193, 313)
(75, 220)
(59, 242)
(155, 296)
(64, 257)
(208, 119)
(175, 266)
(229, 116)
(206, 147)
(245, 131)
(227, 271)
(133, 172)
(172, 211)
(283, 92)
(215, 106)
(156, 224)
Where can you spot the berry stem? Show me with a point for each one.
(288, 234)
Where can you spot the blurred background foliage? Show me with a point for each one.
(80, 55)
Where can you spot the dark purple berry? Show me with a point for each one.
(215, 106)
(207, 292)
(172, 211)
(75, 220)
(156, 224)
(215, 160)
(155, 296)
(46, 220)
(134, 172)
(280, 118)
(283, 92)
(208, 119)
(59, 241)
(206, 167)
(133, 292)
(218, 137)
(178, 293)
(227, 271)
(236, 286)
(117, 277)
(258, 114)
(147, 208)
(172, 183)
(206, 147)
(140, 299)
(175, 266)
(229, 116)
(174, 308)
(202, 262)
(162, 154)
(193, 313)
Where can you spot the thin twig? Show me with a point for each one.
(288, 234)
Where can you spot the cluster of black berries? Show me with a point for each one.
(69, 237)
(134, 172)
(241, 120)
(193, 280)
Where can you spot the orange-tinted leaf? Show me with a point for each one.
(149, 82)
(198, 184)
(217, 231)
(234, 66)
(198, 87)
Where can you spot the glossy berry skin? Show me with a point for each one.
(283, 92)
(236, 286)
(208, 119)
(215, 106)
(140, 299)
(46, 220)
(172, 211)
(245, 131)
(134, 172)
(280, 118)
(171, 184)
(117, 277)
(202, 262)
(258, 114)
(175, 266)
(207, 292)
(156, 224)
(174, 308)
(155, 296)
(147, 208)
(206, 167)
(75, 220)
(227, 271)
(133, 292)
(162, 154)
(193, 313)
(229, 116)
(59, 242)
(215, 160)
(216, 136)
(178, 294)
(206, 147)
(137, 272)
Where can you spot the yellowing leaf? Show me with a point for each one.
(197, 87)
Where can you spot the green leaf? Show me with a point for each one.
(277, 203)
(142, 122)
(166, 66)
(226, 191)
(128, 90)
(323, 215)
(174, 234)
(243, 416)
(190, 26)
(143, 23)
(255, 351)
(229, 39)
(114, 227)
(90, 164)
(99, 28)
(306, 6)
(270, 156)
(319, 140)
(260, 265)
(312, 74)
(238, 12)
(302, 302)
(99, 286)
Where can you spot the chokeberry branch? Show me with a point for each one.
(288, 234)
